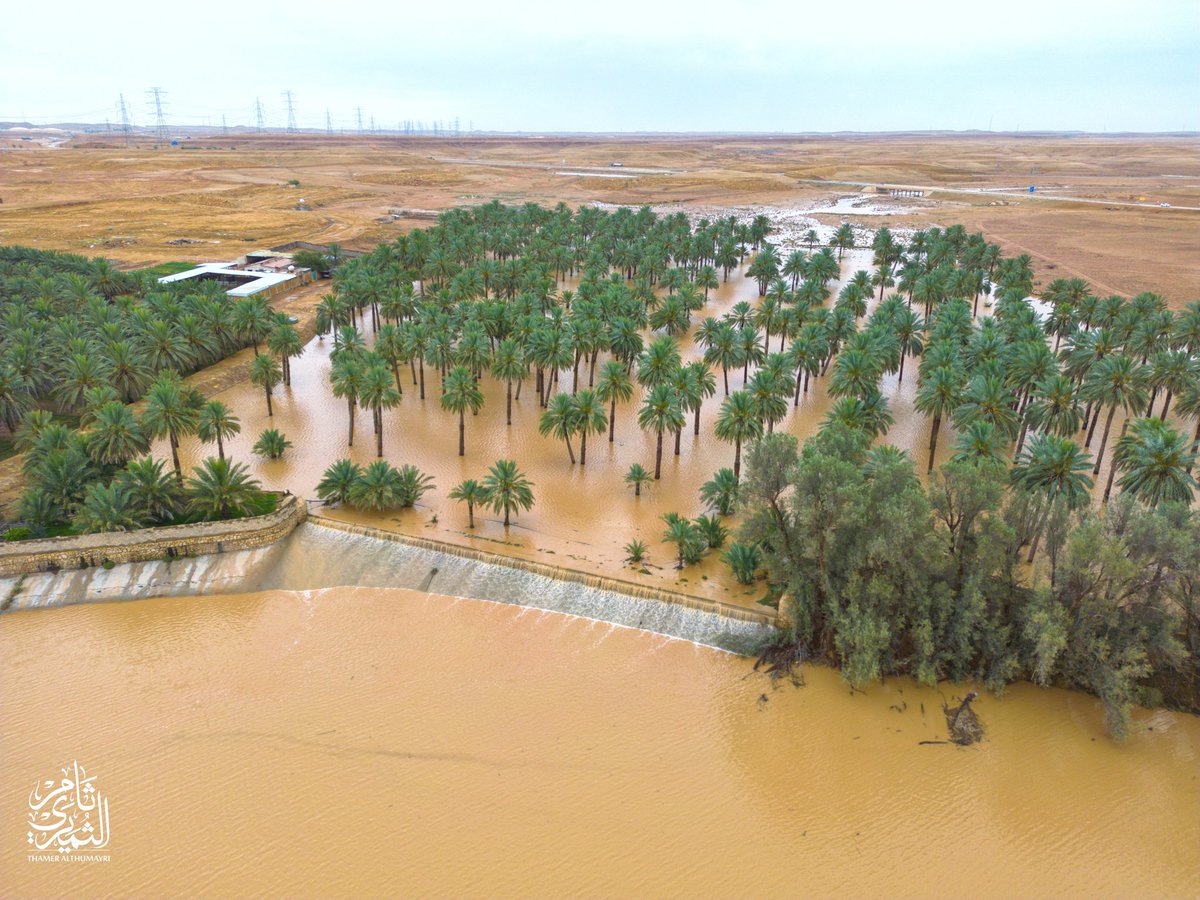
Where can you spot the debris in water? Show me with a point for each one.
(782, 660)
(964, 725)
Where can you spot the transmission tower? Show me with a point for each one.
(289, 100)
(160, 117)
(224, 127)
(126, 124)
(328, 122)
(259, 118)
(358, 112)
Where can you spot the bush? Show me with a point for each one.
(20, 533)
(744, 560)
(635, 551)
(271, 444)
(712, 531)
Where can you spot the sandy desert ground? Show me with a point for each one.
(1096, 212)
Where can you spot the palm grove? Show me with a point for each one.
(80, 342)
(1033, 402)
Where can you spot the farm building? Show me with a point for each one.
(258, 275)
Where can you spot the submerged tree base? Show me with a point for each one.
(965, 727)
(782, 659)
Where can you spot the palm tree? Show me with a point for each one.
(738, 422)
(1155, 462)
(637, 476)
(345, 375)
(702, 384)
(507, 489)
(16, 396)
(377, 392)
(284, 341)
(169, 412)
(979, 443)
(660, 412)
(720, 492)
(559, 420)
(1114, 381)
(682, 533)
(937, 396)
(1055, 469)
(116, 436)
(252, 321)
(723, 351)
(469, 492)
(220, 489)
(658, 362)
(271, 444)
(1189, 406)
(461, 392)
(843, 239)
(614, 384)
(509, 365)
(216, 422)
(266, 373)
(156, 494)
(378, 488)
(589, 417)
(107, 508)
(335, 485)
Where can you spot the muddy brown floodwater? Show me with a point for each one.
(583, 515)
(365, 742)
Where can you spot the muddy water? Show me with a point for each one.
(354, 741)
(584, 515)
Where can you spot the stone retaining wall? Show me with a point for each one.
(83, 551)
(761, 616)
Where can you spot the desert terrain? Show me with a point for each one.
(1096, 213)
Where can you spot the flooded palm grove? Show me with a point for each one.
(339, 714)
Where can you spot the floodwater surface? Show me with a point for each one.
(363, 742)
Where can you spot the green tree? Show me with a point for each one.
(738, 422)
(1155, 463)
(660, 412)
(1054, 469)
(220, 489)
(116, 436)
(460, 393)
(471, 493)
(169, 412)
(107, 508)
(216, 422)
(638, 477)
(507, 489)
(266, 373)
(271, 444)
(559, 420)
(509, 365)
(589, 418)
(338, 481)
(614, 384)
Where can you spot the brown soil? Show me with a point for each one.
(94, 196)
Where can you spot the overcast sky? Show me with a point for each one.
(624, 65)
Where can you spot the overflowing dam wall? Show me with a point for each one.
(90, 550)
(313, 557)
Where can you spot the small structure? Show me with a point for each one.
(248, 277)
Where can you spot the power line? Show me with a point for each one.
(258, 114)
(160, 117)
(126, 124)
(289, 99)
